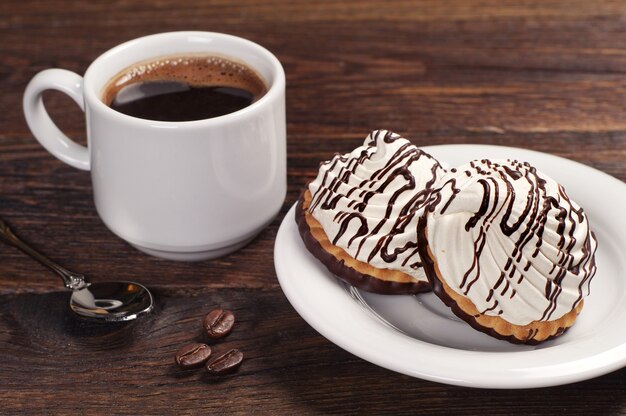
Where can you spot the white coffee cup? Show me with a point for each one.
(188, 190)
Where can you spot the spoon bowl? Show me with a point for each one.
(112, 301)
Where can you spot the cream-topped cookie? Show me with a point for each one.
(368, 203)
(511, 252)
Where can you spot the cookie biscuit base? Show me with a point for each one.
(533, 333)
(346, 267)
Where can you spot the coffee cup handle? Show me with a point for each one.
(40, 123)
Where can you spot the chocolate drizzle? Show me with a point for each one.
(540, 241)
(499, 234)
(369, 201)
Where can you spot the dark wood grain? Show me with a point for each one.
(545, 75)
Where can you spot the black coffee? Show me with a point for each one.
(183, 88)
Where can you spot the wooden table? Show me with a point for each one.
(545, 75)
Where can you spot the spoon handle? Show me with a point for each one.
(74, 281)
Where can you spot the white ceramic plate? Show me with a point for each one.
(419, 336)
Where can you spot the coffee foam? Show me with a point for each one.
(196, 71)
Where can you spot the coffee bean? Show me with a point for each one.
(193, 355)
(226, 363)
(218, 323)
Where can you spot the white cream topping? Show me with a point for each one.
(369, 201)
(510, 240)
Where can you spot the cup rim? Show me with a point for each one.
(275, 88)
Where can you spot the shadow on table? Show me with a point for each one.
(46, 320)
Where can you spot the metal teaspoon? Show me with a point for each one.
(104, 301)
